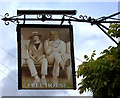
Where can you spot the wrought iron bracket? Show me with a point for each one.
(67, 15)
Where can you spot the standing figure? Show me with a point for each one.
(36, 56)
(55, 50)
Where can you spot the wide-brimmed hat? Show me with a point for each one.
(35, 33)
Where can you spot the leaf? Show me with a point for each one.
(85, 56)
(106, 51)
(98, 67)
(93, 54)
(87, 59)
(79, 83)
(82, 89)
(105, 83)
(109, 47)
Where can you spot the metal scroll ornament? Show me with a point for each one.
(5, 19)
(83, 17)
(44, 17)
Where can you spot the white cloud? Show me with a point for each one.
(88, 38)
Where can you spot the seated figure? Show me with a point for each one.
(55, 50)
(36, 55)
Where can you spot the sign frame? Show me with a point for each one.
(45, 26)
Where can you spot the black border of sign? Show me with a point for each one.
(19, 26)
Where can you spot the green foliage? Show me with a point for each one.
(102, 76)
(114, 30)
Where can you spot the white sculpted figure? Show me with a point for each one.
(36, 55)
(24, 50)
(55, 50)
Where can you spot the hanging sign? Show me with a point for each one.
(45, 57)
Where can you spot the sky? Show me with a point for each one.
(86, 39)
